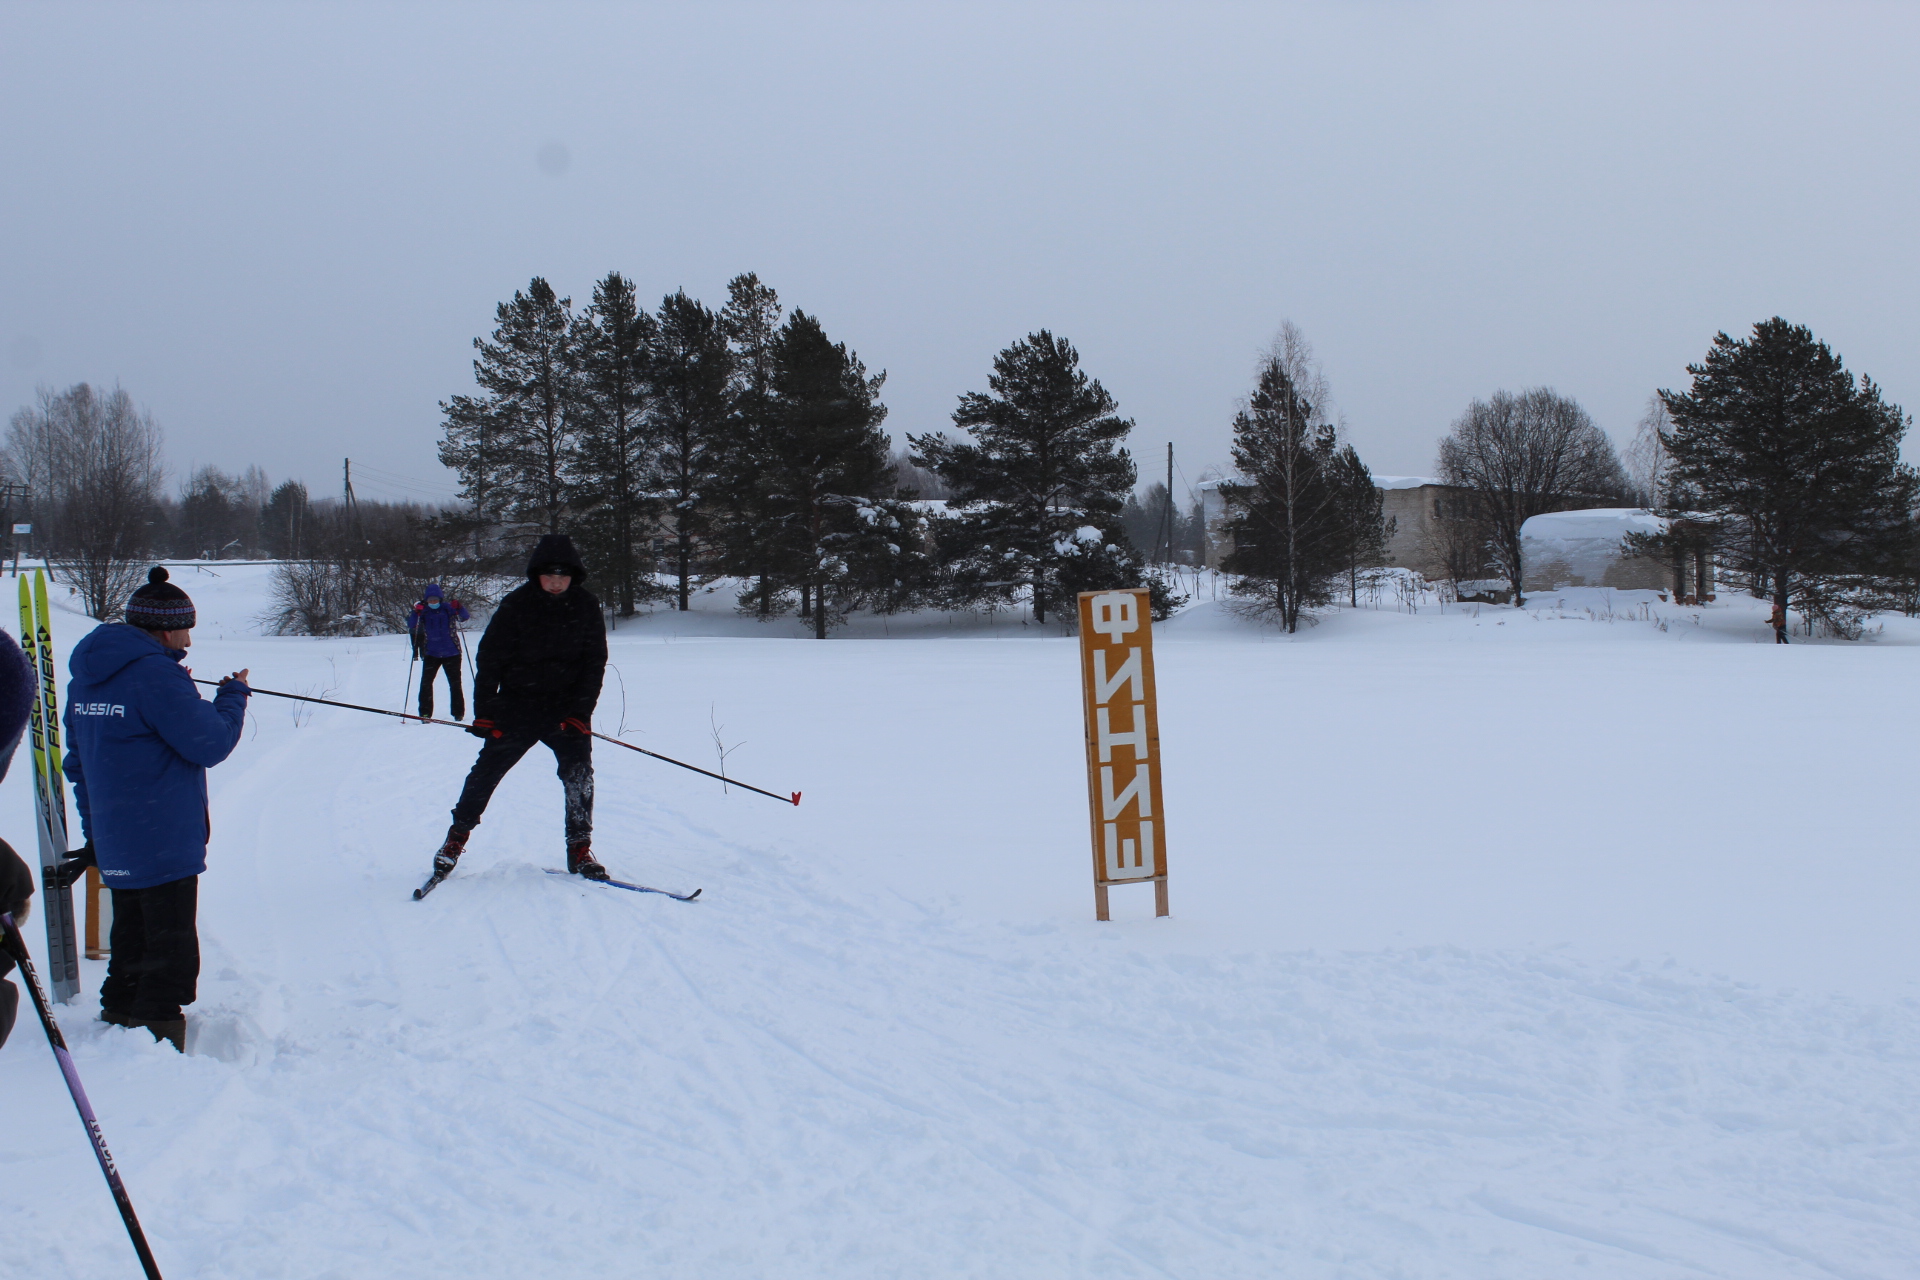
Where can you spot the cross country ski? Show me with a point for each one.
(636, 888)
(49, 792)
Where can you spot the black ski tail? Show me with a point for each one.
(631, 888)
(433, 882)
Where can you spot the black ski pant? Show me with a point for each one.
(155, 964)
(9, 1005)
(573, 753)
(451, 666)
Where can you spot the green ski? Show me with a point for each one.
(49, 792)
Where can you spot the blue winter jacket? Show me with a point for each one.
(433, 628)
(141, 739)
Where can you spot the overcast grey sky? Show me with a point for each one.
(280, 226)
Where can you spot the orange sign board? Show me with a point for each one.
(1123, 744)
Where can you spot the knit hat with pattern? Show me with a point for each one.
(160, 606)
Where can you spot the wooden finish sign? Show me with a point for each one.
(1123, 744)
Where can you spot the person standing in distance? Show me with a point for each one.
(431, 625)
(141, 739)
(537, 680)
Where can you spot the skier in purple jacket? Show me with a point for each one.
(431, 625)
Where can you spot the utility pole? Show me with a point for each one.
(1165, 537)
(353, 506)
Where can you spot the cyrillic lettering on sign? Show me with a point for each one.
(1123, 739)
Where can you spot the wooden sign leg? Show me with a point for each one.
(96, 942)
(1099, 901)
(1160, 907)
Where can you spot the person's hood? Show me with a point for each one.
(556, 548)
(110, 648)
(432, 592)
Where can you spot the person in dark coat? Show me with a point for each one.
(434, 639)
(537, 680)
(141, 741)
(16, 899)
(17, 689)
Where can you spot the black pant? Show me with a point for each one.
(9, 1004)
(451, 665)
(573, 752)
(156, 951)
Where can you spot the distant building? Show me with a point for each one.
(1415, 504)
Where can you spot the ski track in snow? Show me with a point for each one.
(889, 1040)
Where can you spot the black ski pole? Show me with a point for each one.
(413, 656)
(17, 948)
(793, 798)
(790, 798)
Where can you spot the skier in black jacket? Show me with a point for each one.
(538, 677)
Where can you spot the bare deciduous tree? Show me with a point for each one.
(1648, 466)
(94, 464)
(1523, 455)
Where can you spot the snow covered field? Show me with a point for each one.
(1505, 944)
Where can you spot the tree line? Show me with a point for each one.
(85, 469)
(685, 443)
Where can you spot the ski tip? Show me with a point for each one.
(796, 799)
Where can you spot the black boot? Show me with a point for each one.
(450, 851)
(172, 1030)
(580, 861)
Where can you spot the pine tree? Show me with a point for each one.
(1365, 527)
(513, 448)
(690, 424)
(614, 344)
(1801, 465)
(824, 477)
(751, 321)
(1290, 530)
(283, 523)
(1039, 490)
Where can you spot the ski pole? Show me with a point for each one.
(790, 798)
(17, 948)
(413, 656)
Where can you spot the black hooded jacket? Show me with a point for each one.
(543, 656)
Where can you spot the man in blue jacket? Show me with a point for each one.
(431, 625)
(142, 739)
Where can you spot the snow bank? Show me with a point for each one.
(1438, 996)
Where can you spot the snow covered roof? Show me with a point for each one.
(1403, 482)
(1611, 523)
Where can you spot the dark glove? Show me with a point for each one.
(66, 874)
(483, 728)
(574, 724)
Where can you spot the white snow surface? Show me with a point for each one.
(1568, 941)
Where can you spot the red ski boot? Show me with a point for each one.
(580, 861)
